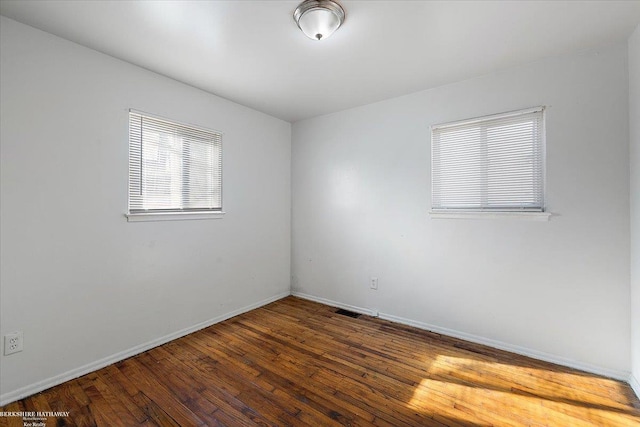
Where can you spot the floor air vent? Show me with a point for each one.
(348, 313)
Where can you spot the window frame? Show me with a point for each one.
(177, 213)
(486, 212)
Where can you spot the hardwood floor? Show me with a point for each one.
(295, 362)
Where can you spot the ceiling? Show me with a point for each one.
(252, 52)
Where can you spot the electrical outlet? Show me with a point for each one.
(12, 343)
(373, 283)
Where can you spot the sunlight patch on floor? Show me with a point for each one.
(483, 405)
(543, 383)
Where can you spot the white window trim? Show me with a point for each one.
(531, 216)
(489, 117)
(172, 216)
(543, 215)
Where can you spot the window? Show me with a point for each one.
(489, 164)
(173, 168)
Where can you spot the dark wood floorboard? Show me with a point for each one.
(296, 362)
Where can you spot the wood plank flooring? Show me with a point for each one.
(295, 362)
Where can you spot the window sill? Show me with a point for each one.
(530, 216)
(172, 216)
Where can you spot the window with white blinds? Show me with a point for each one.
(493, 163)
(173, 167)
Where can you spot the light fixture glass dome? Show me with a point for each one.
(318, 19)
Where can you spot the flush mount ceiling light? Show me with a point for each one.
(318, 19)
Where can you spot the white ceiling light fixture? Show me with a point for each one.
(318, 19)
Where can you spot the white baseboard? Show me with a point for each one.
(611, 373)
(109, 360)
(83, 370)
(334, 303)
(635, 385)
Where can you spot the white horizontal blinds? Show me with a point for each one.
(173, 167)
(494, 163)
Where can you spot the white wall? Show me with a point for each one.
(634, 135)
(557, 289)
(77, 279)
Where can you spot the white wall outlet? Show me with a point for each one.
(373, 282)
(13, 343)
